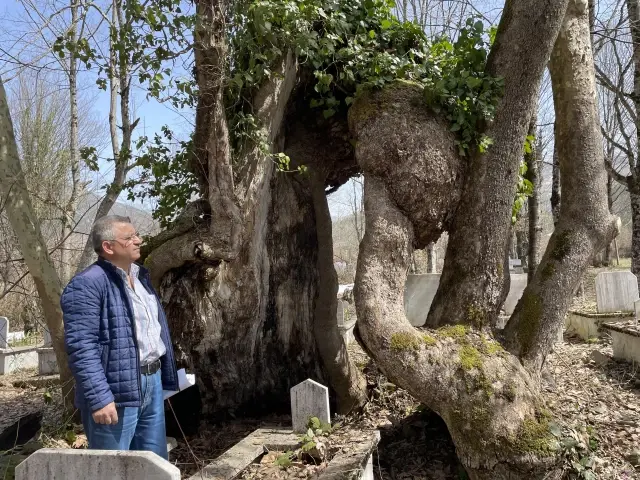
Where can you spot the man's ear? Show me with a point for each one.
(106, 247)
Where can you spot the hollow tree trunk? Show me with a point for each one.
(584, 224)
(246, 327)
(472, 277)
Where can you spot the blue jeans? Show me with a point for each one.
(138, 428)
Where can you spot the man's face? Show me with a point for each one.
(125, 247)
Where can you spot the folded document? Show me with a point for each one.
(185, 380)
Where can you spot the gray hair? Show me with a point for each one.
(103, 230)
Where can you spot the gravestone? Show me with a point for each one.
(309, 399)
(636, 307)
(4, 332)
(72, 464)
(342, 306)
(47, 338)
(616, 291)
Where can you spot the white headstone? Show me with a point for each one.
(616, 291)
(47, 338)
(71, 464)
(309, 399)
(4, 332)
(340, 313)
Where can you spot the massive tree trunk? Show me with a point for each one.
(247, 274)
(34, 249)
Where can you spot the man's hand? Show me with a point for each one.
(106, 415)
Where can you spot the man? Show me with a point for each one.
(118, 344)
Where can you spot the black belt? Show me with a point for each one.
(150, 369)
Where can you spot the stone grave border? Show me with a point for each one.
(625, 340)
(590, 325)
(355, 463)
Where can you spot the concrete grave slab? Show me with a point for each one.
(625, 340)
(18, 358)
(72, 464)
(47, 363)
(516, 289)
(616, 291)
(228, 465)
(588, 325)
(419, 292)
(309, 399)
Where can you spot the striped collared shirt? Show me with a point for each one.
(145, 312)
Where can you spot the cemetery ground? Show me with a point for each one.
(594, 399)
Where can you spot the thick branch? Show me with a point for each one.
(472, 278)
(484, 395)
(585, 225)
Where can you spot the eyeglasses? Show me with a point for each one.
(128, 239)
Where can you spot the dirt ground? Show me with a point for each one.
(595, 401)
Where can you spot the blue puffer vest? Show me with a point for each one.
(101, 342)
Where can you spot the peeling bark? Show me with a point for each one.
(585, 224)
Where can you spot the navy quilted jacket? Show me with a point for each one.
(100, 338)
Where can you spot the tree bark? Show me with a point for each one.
(472, 277)
(490, 406)
(71, 205)
(585, 224)
(34, 249)
(555, 180)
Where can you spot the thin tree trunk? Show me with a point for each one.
(120, 84)
(533, 175)
(72, 203)
(585, 224)
(555, 180)
(473, 272)
(34, 249)
(348, 382)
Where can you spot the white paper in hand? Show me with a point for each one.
(185, 380)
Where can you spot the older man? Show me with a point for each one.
(118, 343)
